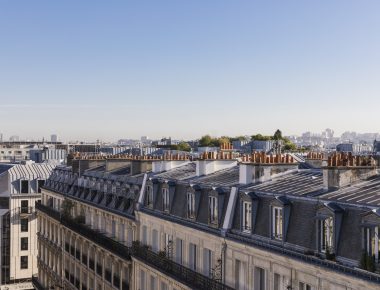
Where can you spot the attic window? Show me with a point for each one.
(277, 223)
(213, 209)
(247, 217)
(372, 242)
(190, 205)
(165, 199)
(40, 184)
(326, 234)
(149, 190)
(24, 186)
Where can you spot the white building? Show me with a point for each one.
(20, 189)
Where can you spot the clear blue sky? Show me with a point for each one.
(114, 69)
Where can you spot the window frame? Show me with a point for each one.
(21, 186)
(190, 197)
(22, 244)
(277, 223)
(22, 226)
(165, 199)
(149, 200)
(246, 217)
(326, 238)
(24, 264)
(213, 209)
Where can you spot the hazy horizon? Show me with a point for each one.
(109, 70)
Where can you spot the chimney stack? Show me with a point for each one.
(260, 167)
(344, 169)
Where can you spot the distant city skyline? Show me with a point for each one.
(48, 138)
(97, 70)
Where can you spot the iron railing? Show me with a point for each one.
(36, 283)
(162, 264)
(175, 270)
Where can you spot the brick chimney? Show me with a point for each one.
(316, 159)
(210, 162)
(260, 167)
(344, 169)
(169, 161)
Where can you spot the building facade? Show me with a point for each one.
(20, 190)
(255, 222)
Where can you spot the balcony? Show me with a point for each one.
(178, 272)
(37, 284)
(25, 210)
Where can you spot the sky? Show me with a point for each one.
(106, 70)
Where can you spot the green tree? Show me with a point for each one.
(277, 135)
(205, 141)
(259, 137)
(183, 146)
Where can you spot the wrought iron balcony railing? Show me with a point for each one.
(178, 272)
(37, 284)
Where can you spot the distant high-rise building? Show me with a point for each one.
(54, 138)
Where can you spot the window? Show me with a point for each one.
(326, 228)
(213, 209)
(24, 206)
(259, 279)
(179, 251)
(24, 244)
(168, 245)
(24, 186)
(239, 275)
(142, 280)
(304, 286)
(372, 242)
(277, 282)
(152, 283)
(164, 286)
(155, 245)
(24, 224)
(149, 190)
(190, 205)
(247, 216)
(207, 262)
(40, 184)
(193, 256)
(24, 262)
(144, 238)
(277, 223)
(165, 199)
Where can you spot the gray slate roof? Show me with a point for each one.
(300, 183)
(365, 193)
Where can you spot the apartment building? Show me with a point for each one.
(20, 190)
(220, 222)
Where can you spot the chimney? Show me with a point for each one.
(210, 162)
(260, 167)
(344, 169)
(316, 159)
(169, 161)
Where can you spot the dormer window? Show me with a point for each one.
(149, 191)
(213, 209)
(372, 242)
(247, 217)
(24, 186)
(165, 199)
(277, 223)
(326, 237)
(190, 205)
